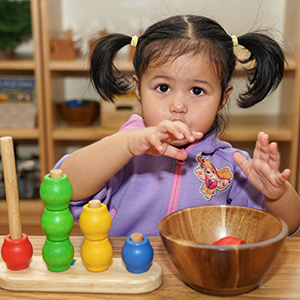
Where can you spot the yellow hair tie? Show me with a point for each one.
(134, 41)
(235, 40)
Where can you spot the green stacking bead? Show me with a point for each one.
(56, 193)
(58, 256)
(57, 225)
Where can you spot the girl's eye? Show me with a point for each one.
(163, 88)
(197, 91)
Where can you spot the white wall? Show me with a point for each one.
(127, 16)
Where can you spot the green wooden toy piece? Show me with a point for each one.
(56, 190)
(58, 256)
(57, 225)
(57, 221)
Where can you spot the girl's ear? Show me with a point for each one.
(225, 96)
(136, 85)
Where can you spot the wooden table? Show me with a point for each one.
(281, 282)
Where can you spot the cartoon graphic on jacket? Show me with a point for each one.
(213, 179)
(150, 187)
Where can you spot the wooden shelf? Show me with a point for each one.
(17, 64)
(31, 212)
(246, 128)
(125, 66)
(20, 133)
(242, 54)
(89, 133)
(69, 65)
(241, 128)
(291, 64)
(80, 65)
(30, 64)
(26, 206)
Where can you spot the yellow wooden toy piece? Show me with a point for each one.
(95, 220)
(96, 250)
(96, 255)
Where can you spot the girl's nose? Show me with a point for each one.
(178, 107)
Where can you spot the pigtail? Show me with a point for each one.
(106, 78)
(267, 73)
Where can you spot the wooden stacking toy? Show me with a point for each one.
(73, 274)
(96, 250)
(57, 221)
(16, 250)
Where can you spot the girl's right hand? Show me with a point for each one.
(162, 139)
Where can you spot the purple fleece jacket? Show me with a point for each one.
(150, 187)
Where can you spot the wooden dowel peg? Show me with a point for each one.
(94, 203)
(136, 237)
(56, 173)
(11, 187)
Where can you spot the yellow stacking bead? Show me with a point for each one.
(96, 255)
(95, 222)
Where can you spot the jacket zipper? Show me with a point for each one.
(173, 201)
(175, 186)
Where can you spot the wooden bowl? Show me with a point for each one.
(220, 270)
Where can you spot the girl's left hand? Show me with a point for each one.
(263, 173)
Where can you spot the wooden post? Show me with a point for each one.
(11, 188)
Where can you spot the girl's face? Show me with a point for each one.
(187, 89)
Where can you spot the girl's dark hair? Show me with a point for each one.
(179, 35)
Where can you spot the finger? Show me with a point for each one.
(257, 149)
(174, 152)
(191, 136)
(153, 140)
(165, 149)
(181, 131)
(168, 129)
(198, 135)
(283, 177)
(264, 148)
(242, 162)
(274, 155)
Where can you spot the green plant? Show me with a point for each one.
(15, 23)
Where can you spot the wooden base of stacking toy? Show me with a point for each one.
(115, 280)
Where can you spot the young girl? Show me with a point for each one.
(171, 158)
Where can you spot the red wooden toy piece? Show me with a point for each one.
(229, 240)
(16, 250)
